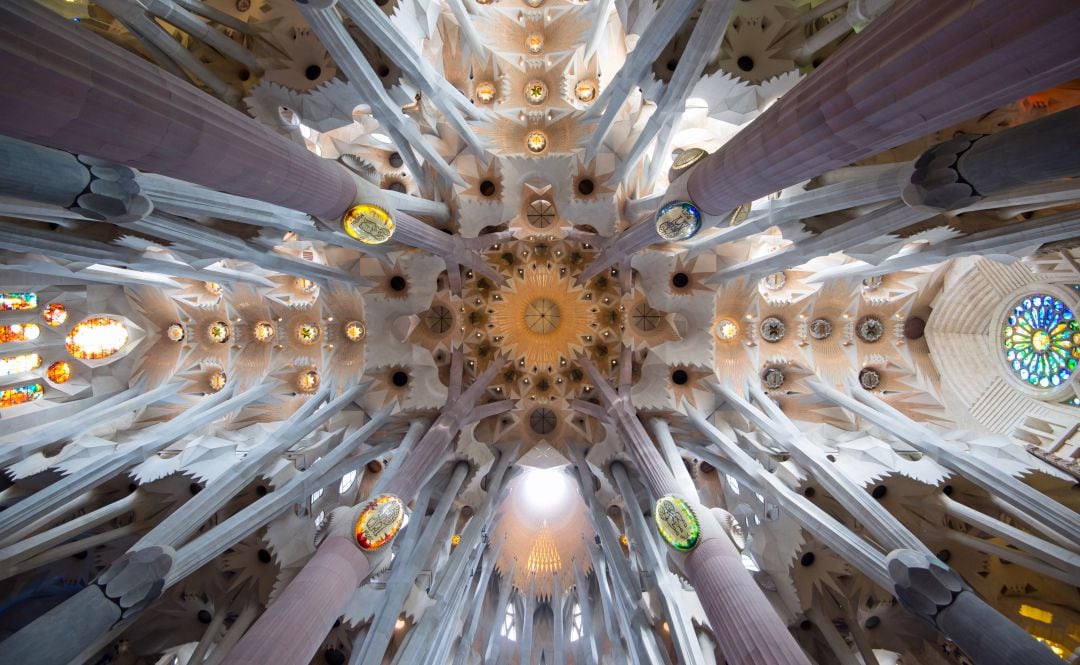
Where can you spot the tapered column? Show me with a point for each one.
(297, 622)
(62, 86)
(937, 595)
(749, 630)
(922, 66)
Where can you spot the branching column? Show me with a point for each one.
(745, 623)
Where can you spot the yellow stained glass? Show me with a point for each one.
(96, 338)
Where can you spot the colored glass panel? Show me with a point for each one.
(17, 364)
(96, 338)
(18, 301)
(20, 395)
(677, 523)
(19, 332)
(380, 521)
(59, 372)
(1041, 340)
(55, 314)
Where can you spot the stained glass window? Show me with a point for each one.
(20, 395)
(59, 372)
(19, 332)
(55, 314)
(1042, 341)
(17, 300)
(96, 338)
(17, 364)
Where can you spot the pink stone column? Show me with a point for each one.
(748, 629)
(920, 67)
(291, 630)
(64, 87)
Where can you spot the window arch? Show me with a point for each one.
(509, 624)
(575, 623)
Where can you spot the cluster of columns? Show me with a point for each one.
(875, 92)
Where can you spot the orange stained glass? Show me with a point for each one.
(19, 332)
(55, 314)
(20, 395)
(380, 521)
(18, 300)
(96, 338)
(18, 364)
(59, 372)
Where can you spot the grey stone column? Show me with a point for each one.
(970, 167)
(64, 87)
(937, 595)
(35, 173)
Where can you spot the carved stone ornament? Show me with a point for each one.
(923, 584)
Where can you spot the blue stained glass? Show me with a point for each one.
(1042, 341)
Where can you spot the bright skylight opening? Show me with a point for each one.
(544, 492)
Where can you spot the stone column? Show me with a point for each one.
(62, 86)
(961, 171)
(294, 626)
(934, 593)
(921, 66)
(748, 628)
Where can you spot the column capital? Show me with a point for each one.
(937, 182)
(924, 585)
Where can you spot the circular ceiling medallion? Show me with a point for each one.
(218, 381)
(773, 329)
(368, 223)
(218, 331)
(820, 329)
(775, 281)
(355, 331)
(438, 319)
(677, 523)
(585, 90)
(542, 316)
(534, 43)
(308, 333)
(307, 381)
(678, 220)
(536, 141)
(869, 378)
(379, 522)
(870, 329)
(536, 92)
(726, 329)
(773, 378)
(485, 92)
(264, 331)
(175, 332)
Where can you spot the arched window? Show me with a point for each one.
(96, 338)
(346, 482)
(16, 301)
(575, 623)
(19, 364)
(20, 395)
(509, 626)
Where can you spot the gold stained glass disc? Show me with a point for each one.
(368, 223)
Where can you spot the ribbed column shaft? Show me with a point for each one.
(34, 173)
(749, 630)
(1045, 149)
(64, 87)
(922, 66)
(295, 624)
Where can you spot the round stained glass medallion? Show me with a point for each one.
(308, 333)
(678, 220)
(773, 378)
(1041, 339)
(368, 223)
(55, 314)
(218, 331)
(775, 281)
(59, 372)
(870, 329)
(677, 523)
(534, 43)
(536, 92)
(379, 522)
